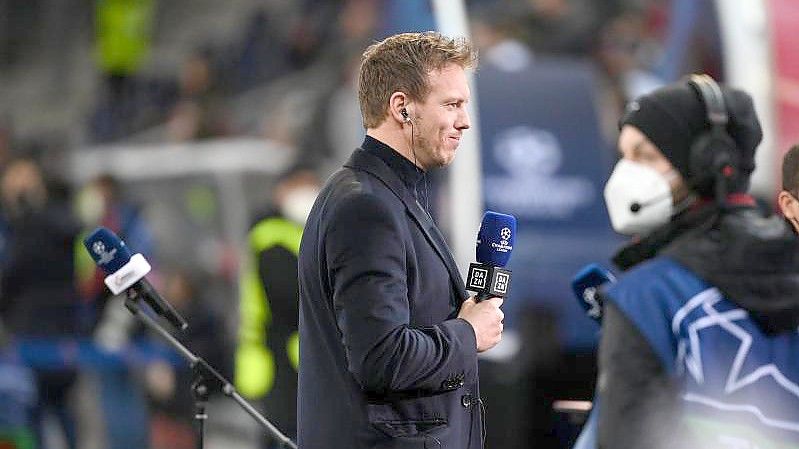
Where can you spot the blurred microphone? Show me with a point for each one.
(126, 272)
(495, 240)
(585, 285)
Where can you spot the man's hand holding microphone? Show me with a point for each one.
(489, 279)
(486, 319)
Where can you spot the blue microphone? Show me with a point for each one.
(488, 277)
(585, 285)
(126, 271)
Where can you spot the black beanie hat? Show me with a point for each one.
(674, 115)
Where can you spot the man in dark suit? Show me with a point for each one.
(388, 338)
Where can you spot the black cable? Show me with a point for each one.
(424, 174)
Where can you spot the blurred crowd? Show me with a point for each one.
(71, 354)
(286, 73)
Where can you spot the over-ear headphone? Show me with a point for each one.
(714, 161)
(404, 113)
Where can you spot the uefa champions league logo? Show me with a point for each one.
(104, 255)
(98, 248)
(534, 159)
(505, 235)
(632, 107)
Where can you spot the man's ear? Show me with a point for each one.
(785, 199)
(398, 107)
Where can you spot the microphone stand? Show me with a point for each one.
(206, 379)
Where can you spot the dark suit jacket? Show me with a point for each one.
(384, 362)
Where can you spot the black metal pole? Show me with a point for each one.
(200, 393)
(206, 379)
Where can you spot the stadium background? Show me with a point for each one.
(196, 106)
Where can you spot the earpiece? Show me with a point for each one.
(404, 113)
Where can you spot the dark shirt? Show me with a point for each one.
(39, 297)
(414, 178)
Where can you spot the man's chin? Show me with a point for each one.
(446, 158)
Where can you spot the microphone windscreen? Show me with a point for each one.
(585, 283)
(108, 251)
(495, 239)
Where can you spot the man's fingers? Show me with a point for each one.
(496, 301)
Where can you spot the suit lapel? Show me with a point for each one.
(363, 160)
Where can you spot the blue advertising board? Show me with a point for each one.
(545, 161)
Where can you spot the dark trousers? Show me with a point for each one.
(54, 387)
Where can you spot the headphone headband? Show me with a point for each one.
(713, 152)
(711, 95)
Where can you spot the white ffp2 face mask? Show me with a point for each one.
(638, 198)
(298, 203)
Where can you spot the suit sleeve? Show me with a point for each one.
(366, 259)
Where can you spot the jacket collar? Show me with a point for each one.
(370, 163)
(752, 259)
(409, 173)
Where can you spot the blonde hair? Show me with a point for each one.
(402, 63)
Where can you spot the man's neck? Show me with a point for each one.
(396, 140)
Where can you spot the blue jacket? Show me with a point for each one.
(700, 346)
(735, 381)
